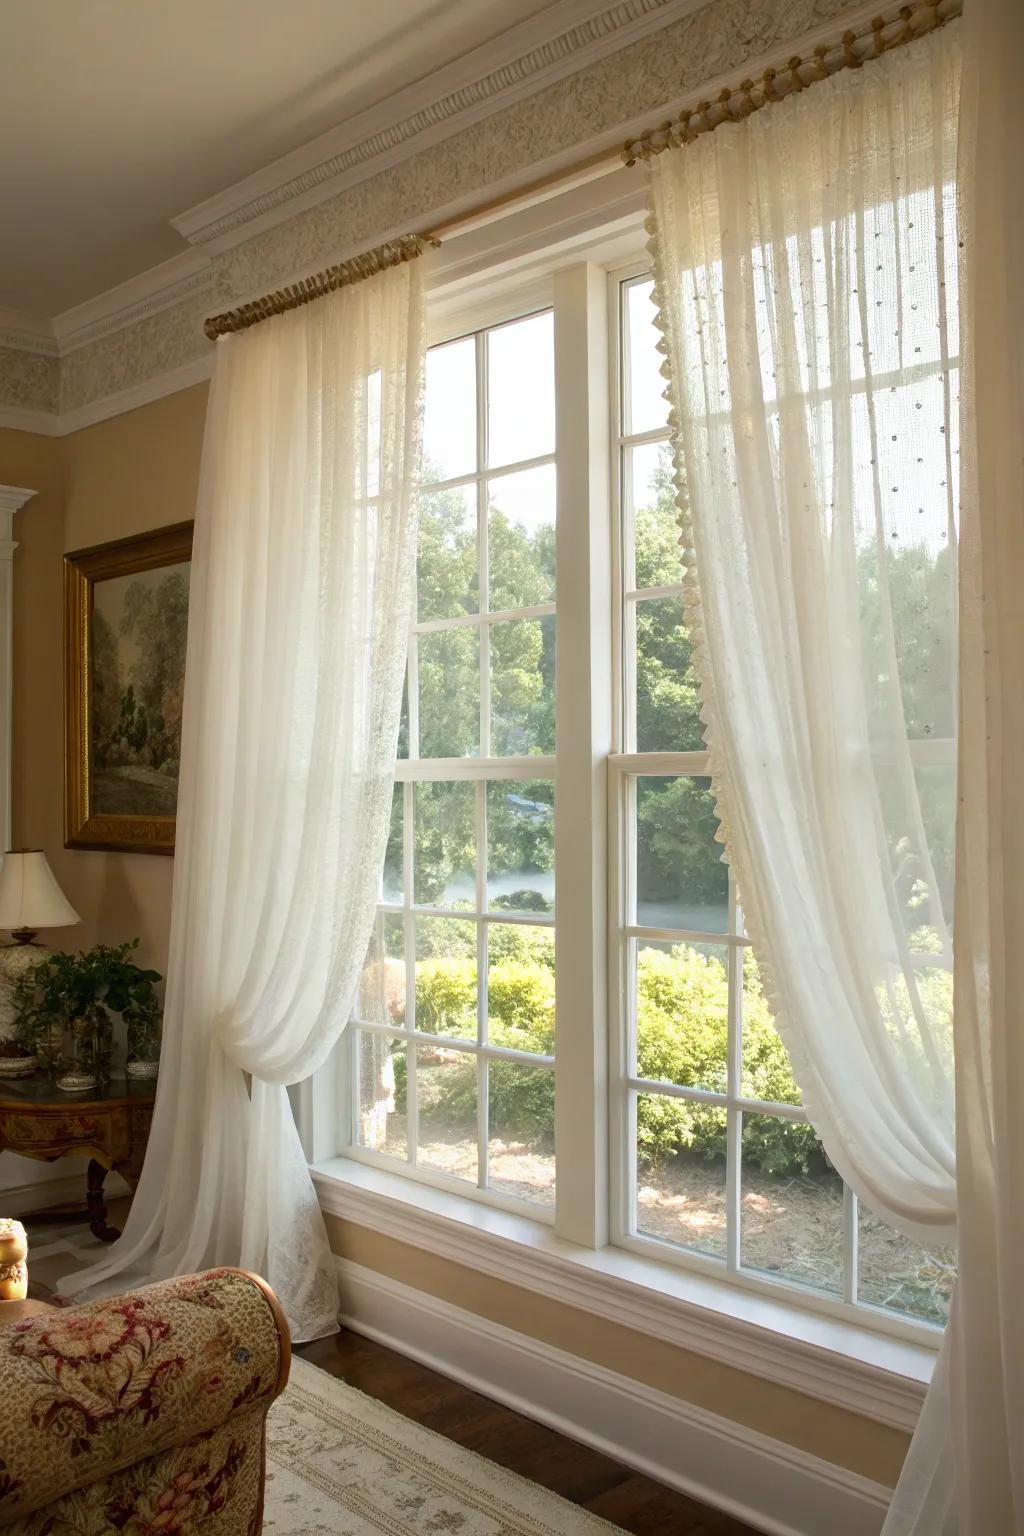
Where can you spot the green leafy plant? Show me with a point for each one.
(682, 1033)
(80, 992)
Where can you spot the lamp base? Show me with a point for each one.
(23, 935)
(15, 960)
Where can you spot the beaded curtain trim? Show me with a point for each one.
(850, 51)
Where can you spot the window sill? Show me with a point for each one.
(835, 1361)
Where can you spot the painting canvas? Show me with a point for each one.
(139, 628)
(126, 623)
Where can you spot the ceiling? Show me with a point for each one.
(116, 115)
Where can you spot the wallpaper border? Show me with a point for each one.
(164, 335)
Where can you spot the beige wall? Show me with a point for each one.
(124, 476)
(139, 471)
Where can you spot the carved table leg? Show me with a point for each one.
(97, 1204)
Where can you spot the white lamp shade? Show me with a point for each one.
(30, 896)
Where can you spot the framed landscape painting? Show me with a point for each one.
(125, 629)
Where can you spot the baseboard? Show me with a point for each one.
(64, 1189)
(770, 1485)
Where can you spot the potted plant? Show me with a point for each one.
(17, 1060)
(64, 1006)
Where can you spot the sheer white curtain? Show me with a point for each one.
(302, 583)
(805, 274)
(979, 1489)
(806, 277)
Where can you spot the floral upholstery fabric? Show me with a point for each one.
(210, 1486)
(142, 1413)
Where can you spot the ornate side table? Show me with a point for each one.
(110, 1124)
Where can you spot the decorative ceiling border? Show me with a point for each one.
(27, 334)
(433, 108)
(92, 320)
(115, 350)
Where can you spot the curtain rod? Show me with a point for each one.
(850, 51)
(343, 275)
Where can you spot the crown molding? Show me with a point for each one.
(157, 289)
(156, 388)
(147, 294)
(103, 350)
(562, 40)
(16, 419)
(26, 333)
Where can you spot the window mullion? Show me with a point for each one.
(483, 547)
(734, 1090)
(583, 715)
(850, 1245)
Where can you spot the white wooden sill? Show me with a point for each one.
(832, 1360)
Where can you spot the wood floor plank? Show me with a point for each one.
(635, 1503)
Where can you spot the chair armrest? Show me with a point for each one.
(88, 1390)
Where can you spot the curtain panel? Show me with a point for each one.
(806, 279)
(302, 585)
(978, 1400)
(805, 266)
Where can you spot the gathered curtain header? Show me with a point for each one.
(343, 275)
(851, 51)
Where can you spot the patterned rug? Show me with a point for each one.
(342, 1464)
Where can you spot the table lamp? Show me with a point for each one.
(30, 897)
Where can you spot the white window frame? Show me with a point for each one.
(593, 770)
(476, 770)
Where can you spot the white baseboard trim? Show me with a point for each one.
(64, 1189)
(771, 1485)
(847, 1365)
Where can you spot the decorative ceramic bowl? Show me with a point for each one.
(76, 1082)
(144, 1071)
(17, 1066)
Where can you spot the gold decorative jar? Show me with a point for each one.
(13, 1253)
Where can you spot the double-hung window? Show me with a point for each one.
(454, 1033)
(681, 1133)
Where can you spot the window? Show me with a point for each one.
(693, 1146)
(717, 1160)
(454, 1049)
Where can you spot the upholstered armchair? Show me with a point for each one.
(143, 1414)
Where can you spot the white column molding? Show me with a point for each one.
(12, 498)
(583, 717)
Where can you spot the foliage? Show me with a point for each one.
(137, 715)
(682, 1027)
(65, 988)
(682, 1035)
(677, 856)
(682, 989)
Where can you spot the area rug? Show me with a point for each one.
(341, 1464)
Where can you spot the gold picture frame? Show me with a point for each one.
(120, 747)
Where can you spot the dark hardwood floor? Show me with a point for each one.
(596, 1482)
